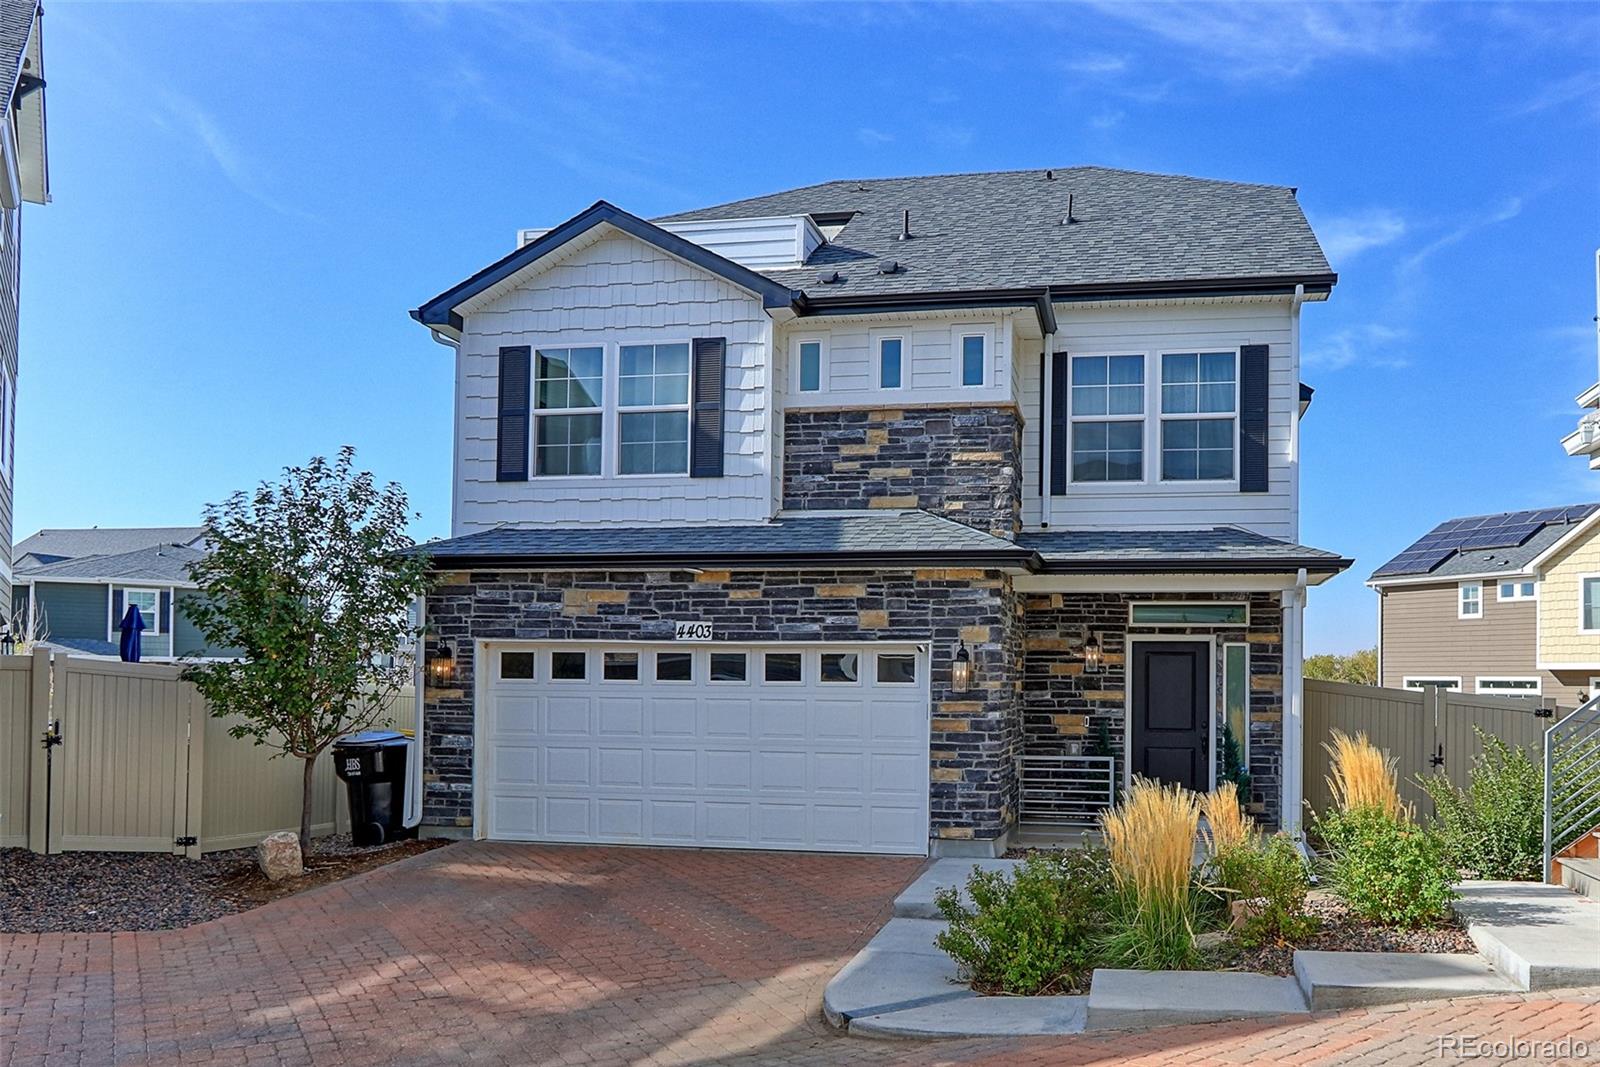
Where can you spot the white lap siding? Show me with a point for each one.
(615, 290)
(1174, 326)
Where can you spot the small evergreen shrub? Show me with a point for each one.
(1386, 869)
(1494, 828)
(1032, 931)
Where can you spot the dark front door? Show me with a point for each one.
(1171, 708)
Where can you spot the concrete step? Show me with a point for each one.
(1135, 1000)
(1539, 936)
(899, 968)
(916, 900)
(1582, 876)
(1333, 980)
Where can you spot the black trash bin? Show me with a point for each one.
(373, 766)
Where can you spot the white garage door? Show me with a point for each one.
(821, 748)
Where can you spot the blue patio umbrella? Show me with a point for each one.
(132, 625)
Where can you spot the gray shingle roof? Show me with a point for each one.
(16, 21)
(165, 564)
(867, 535)
(1545, 526)
(1219, 549)
(1004, 229)
(98, 541)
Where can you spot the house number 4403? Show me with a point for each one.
(692, 631)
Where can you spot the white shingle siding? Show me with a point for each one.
(1175, 326)
(615, 290)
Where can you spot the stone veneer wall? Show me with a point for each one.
(1061, 703)
(964, 463)
(975, 735)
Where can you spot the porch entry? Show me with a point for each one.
(1169, 727)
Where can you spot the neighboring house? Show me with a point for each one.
(74, 586)
(1506, 604)
(1585, 440)
(26, 178)
(873, 512)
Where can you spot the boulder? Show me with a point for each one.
(278, 856)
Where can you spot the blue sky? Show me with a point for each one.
(249, 198)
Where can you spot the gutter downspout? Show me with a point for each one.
(1294, 423)
(419, 678)
(1046, 417)
(1293, 784)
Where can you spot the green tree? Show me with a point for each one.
(1358, 668)
(307, 580)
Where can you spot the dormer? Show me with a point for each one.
(775, 242)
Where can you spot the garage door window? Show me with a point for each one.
(621, 667)
(840, 667)
(516, 666)
(569, 666)
(727, 666)
(783, 667)
(897, 670)
(674, 667)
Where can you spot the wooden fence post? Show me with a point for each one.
(38, 723)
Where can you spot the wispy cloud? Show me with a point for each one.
(872, 138)
(1097, 64)
(1509, 209)
(1347, 236)
(186, 117)
(1582, 88)
(1368, 345)
(1108, 119)
(1242, 40)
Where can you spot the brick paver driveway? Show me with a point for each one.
(523, 954)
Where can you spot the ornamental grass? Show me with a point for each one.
(1363, 778)
(1227, 826)
(1151, 842)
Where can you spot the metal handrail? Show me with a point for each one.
(1579, 808)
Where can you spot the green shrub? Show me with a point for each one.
(1032, 931)
(1494, 828)
(1272, 875)
(1386, 869)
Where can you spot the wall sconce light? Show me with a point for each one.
(442, 667)
(1091, 651)
(961, 668)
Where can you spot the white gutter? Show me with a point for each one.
(1293, 762)
(1046, 376)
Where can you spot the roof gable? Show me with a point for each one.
(440, 312)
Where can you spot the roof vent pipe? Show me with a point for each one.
(1070, 218)
(905, 226)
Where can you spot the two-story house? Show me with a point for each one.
(1505, 604)
(874, 513)
(25, 178)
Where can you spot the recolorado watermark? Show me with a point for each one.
(1537, 1050)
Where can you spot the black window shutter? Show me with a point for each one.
(1253, 419)
(116, 609)
(705, 430)
(1059, 452)
(166, 622)
(511, 450)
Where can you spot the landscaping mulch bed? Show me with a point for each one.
(1342, 932)
(84, 892)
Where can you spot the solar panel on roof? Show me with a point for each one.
(1416, 560)
(1500, 536)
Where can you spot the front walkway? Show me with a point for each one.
(522, 954)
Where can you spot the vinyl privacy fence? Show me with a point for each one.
(142, 765)
(1426, 731)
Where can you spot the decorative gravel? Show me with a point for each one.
(1343, 932)
(84, 892)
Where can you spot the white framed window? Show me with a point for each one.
(891, 362)
(972, 350)
(1469, 600)
(517, 666)
(809, 356)
(568, 403)
(1199, 416)
(1518, 589)
(1236, 697)
(1436, 681)
(149, 604)
(1589, 603)
(1524, 686)
(653, 409)
(1106, 409)
(1594, 686)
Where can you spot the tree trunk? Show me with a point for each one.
(307, 796)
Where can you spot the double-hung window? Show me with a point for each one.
(1199, 407)
(1107, 414)
(891, 353)
(1469, 604)
(569, 395)
(149, 604)
(653, 409)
